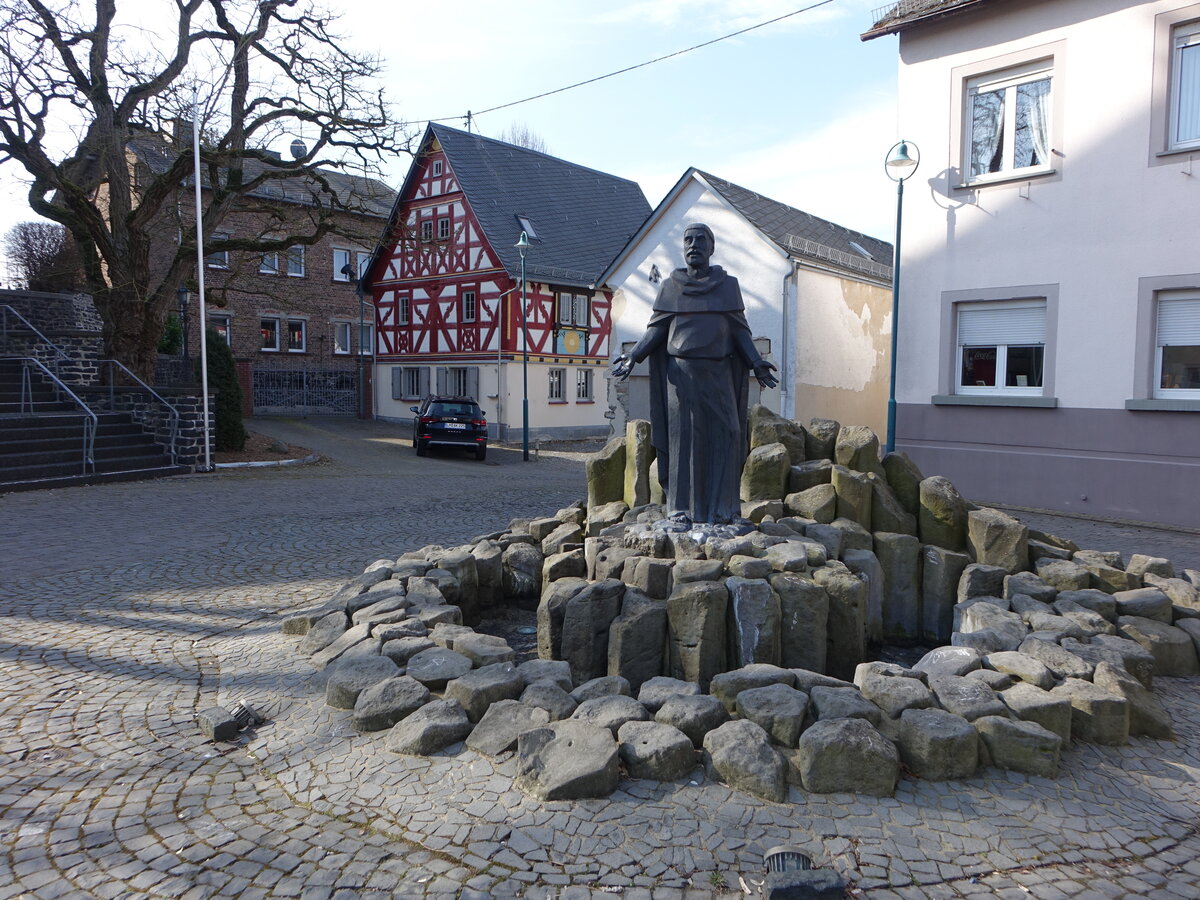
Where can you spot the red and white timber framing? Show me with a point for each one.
(441, 294)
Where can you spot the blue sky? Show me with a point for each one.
(801, 111)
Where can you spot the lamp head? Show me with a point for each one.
(522, 244)
(900, 163)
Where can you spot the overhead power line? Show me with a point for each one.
(472, 114)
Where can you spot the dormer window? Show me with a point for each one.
(527, 227)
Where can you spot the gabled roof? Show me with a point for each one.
(582, 217)
(365, 196)
(903, 14)
(798, 235)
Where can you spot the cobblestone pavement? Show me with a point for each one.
(126, 608)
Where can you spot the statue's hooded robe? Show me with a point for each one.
(698, 394)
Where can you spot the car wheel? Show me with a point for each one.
(481, 452)
(422, 447)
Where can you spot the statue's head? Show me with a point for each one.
(698, 245)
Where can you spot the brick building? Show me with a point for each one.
(294, 309)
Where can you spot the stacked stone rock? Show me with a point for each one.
(662, 649)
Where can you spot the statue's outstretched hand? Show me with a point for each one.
(621, 367)
(763, 371)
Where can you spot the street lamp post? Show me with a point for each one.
(899, 165)
(182, 294)
(523, 245)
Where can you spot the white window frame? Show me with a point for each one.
(344, 330)
(295, 261)
(556, 381)
(443, 228)
(470, 306)
(437, 167)
(403, 310)
(1007, 80)
(366, 339)
(583, 384)
(1168, 331)
(572, 309)
(222, 324)
(268, 264)
(218, 259)
(1000, 388)
(341, 259)
(1184, 37)
(274, 320)
(427, 231)
(303, 348)
(458, 381)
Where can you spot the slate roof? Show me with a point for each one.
(903, 14)
(805, 236)
(367, 196)
(582, 217)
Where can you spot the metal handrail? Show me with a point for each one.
(89, 424)
(5, 310)
(173, 412)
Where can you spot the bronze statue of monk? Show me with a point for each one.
(700, 353)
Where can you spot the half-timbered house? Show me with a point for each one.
(446, 281)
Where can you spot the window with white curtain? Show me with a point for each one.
(1185, 86)
(1177, 345)
(1001, 347)
(1007, 130)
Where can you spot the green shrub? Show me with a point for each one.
(171, 341)
(222, 380)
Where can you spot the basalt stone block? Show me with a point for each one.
(324, 632)
(639, 454)
(396, 630)
(1172, 648)
(489, 566)
(606, 474)
(480, 688)
(853, 491)
(983, 616)
(765, 474)
(740, 754)
(948, 661)
(423, 591)
(1044, 623)
(754, 624)
(690, 570)
(1148, 602)
(1063, 574)
(432, 616)
(444, 634)
(1096, 601)
(551, 697)
(827, 536)
(387, 702)
(887, 512)
(966, 697)
(696, 615)
(842, 703)
(804, 614)
(726, 686)
(1139, 665)
(567, 760)
(300, 623)
(586, 621)
(1090, 623)
(447, 584)
(1147, 716)
(866, 567)
(846, 627)
(604, 686)
(818, 503)
(767, 427)
(1185, 598)
(997, 681)
(796, 555)
(820, 438)
(541, 528)
(395, 603)
(847, 755)
(434, 668)
(997, 539)
(905, 480)
(637, 638)
(778, 709)
(484, 649)
(1192, 628)
(899, 557)
(349, 678)
(461, 564)
(610, 563)
(611, 712)
(1019, 746)
(894, 694)
(857, 447)
(942, 516)
(694, 716)
(941, 570)
(655, 691)
(938, 745)
(1060, 662)
(1030, 585)
(565, 537)
(655, 751)
(750, 566)
(1141, 564)
(1100, 558)
(604, 516)
(1097, 716)
(401, 650)
(979, 580)
(352, 636)
(555, 671)
(653, 577)
(568, 564)
(502, 724)
(854, 536)
(1109, 579)
(1022, 667)
(216, 724)
(1032, 704)
(809, 475)
(1027, 607)
(521, 572)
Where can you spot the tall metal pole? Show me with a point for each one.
(208, 466)
(891, 410)
(523, 244)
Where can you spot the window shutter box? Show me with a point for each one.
(397, 383)
(423, 381)
(473, 383)
(1179, 322)
(989, 324)
(441, 381)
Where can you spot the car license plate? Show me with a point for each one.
(457, 425)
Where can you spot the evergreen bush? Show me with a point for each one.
(222, 379)
(171, 341)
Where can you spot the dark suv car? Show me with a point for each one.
(449, 422)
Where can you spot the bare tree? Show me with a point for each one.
(43, 256)
(521, 135)
(262, 68)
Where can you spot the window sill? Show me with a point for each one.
(1178, 151)
(1162, 405)
(557, 402)
(585, 402)
(992, 400)
(1014, 178)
